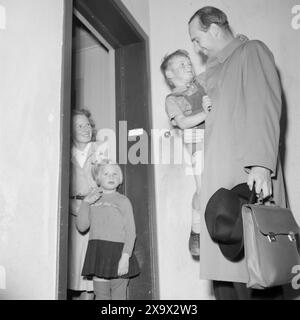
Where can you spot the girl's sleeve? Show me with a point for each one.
(83, 217)
(129, 227)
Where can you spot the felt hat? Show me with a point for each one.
(223, 217)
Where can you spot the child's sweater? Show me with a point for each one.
(110, 219)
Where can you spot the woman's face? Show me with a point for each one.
(82, 129)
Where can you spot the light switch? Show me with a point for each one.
(2, 18)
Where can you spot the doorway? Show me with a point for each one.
(93, 74)
(108, 30)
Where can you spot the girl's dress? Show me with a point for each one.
(81, 184)
(112, 232)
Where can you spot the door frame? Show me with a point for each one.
(118, 33)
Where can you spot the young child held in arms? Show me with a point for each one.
(187, 107)
(108, 214)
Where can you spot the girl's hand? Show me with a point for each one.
(206, 104)
(123, 265)
(93, 196)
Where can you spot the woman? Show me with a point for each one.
(84, 154)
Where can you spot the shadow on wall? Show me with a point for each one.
(283, 130)
(289, 292)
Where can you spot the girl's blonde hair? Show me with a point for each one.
(99, 167)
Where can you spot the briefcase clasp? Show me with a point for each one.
(271, 237)
(291, 236)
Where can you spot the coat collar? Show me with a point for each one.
(227, 51)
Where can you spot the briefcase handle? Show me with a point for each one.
(259, 200)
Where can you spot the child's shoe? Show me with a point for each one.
(194, 243)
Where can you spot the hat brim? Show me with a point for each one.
(232, 252)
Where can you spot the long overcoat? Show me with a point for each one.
(242, 130)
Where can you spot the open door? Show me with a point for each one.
(111, 20)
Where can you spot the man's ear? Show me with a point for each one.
(214, 30)
(169, 74)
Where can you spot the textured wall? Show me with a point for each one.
(30, 67)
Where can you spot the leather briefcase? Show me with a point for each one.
(271, 245)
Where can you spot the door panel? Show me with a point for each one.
(133, 107)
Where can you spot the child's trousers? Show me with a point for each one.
(115, 289)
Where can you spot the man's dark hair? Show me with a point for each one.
(166, 62)
(209, 15)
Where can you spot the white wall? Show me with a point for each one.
(140, 11)
(30, 82)
(268, 20)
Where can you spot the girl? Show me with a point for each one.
(108, 214)
(84, 152)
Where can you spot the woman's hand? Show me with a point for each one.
(94, 195)
(206, 104)
(123, 265)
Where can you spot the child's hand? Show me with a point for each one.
(93, 195)
(174, 123)
(123, 265)
(242, 37)
(206, 104)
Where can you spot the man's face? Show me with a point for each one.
(203, 41)
(181, 69)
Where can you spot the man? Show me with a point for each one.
(242, 131)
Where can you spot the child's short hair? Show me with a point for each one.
(167, 61)
(98, 168)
